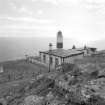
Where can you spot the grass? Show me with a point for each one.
(19, 75)
(20, 69)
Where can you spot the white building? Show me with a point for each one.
(55, 57)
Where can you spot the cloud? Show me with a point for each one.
(24, 10)
(21, 26)
(95, 1)
(69, 1)
(51, 1)
(91, 4)
(40, 12)
(57, 2)
(12, 5)
(27, 19)
(87, 3)
(95, 8)
(25, 30)
(26, 23)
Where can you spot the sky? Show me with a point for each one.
(82, 20)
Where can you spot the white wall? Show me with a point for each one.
(66, 60)
(53, 60)
(71, 59)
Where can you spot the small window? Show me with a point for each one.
(44, 58)
(56, 61)
(51, 60)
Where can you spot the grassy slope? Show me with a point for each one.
(14, 70)
(21, 67)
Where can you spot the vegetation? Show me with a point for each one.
(81, 83)
(19, 70)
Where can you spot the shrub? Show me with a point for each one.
(96, 100)
(67, 67)
(94, 74)
(71, 68)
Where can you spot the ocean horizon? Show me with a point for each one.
(12, 48)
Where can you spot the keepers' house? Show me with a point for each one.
(55, 57)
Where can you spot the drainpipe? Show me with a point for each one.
(50, 53)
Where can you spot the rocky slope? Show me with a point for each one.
(82, 83)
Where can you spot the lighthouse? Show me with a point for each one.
(59, 44)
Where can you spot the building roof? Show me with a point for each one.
(63, 52)
(82, 48)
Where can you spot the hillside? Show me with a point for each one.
(20, 69)
(82, 83)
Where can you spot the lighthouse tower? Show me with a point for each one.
(59, 40)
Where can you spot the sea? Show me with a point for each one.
(12, 48)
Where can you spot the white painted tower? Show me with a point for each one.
(59, 40)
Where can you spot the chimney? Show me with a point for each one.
(59, 40)
(50, 46)
(73, 47)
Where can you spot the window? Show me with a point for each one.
(51, 60)
(56, 61)
(44, 58)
